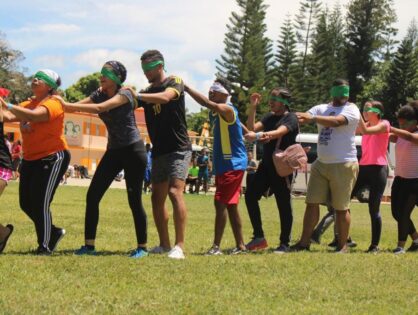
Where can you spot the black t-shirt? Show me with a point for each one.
(5, 157)
(120, 121)
(166, 123)
(272, 122)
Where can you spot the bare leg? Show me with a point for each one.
(4, 231)
(175, 192)
(310, 220)
(160, 213)
(220, 222)
(236, 225)
(343, 221)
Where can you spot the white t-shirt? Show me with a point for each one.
(337, 144)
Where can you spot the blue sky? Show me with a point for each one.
(75, 37)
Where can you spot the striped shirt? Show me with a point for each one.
(406, 154)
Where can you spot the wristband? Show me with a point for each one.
(9, 106)
(258, 135)
(139, 97)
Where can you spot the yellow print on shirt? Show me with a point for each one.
(157, 109)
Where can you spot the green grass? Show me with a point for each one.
(302, 283)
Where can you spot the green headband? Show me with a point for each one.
(48, 80)
(151, 65)
(373, 110)
(110, 75)
(340, 91)
(279, 99)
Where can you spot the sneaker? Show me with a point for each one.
(413, 247)
(257, 243)
(334, 243)
(315, 238)
(341, 251)
(399, 250)
(176, 253)
(350, 243)
(56, 236)
(84, 250)
(298, 248)
(237, 251)
(373, 249)
(282, 249)
(4, 243)
(214, 251)
(158, 250)
(139, 253)
(42, 251)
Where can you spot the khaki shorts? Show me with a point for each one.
(332, 183)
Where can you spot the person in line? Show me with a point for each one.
(229, 161)
(5, 176)
(404, 195)
(165, 115)
(334, 173)
(203, 176)
(45, 156)
(279, 127)
(125, 151)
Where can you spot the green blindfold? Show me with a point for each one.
(279, 99)
(152, 65)
(42, 76)
(110, 75)
(373, 110)
(340, 91)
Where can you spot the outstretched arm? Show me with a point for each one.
(409, 136)
(87, 106)
(39, 114)
(224, 110)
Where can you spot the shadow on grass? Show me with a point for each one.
(66, 252)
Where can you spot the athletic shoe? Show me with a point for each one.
(214, 251)
(298, 248)
(237, 251)
(257, 243)
(4, 243)
(84, 250)
(373, 249)
(282, 249)
(350, 243)
(413, 247)
(176, 253)
(399, 250)
(42, 251)
(158, 250)
(56, 236)
(341, 251)
(316, 238)
(139, 253)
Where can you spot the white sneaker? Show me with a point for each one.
(214, 251)
(158, 250)
(176, 253)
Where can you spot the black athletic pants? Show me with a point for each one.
(265, 178)
(38, 181)
(404, 197)
(375, 177)
(133, 160)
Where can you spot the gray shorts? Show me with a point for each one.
(171, 165)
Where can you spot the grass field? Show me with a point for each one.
(297, 283)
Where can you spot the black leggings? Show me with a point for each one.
(39, 180)
(404, 198)
(375, 177)
(265, 178)
(133, 160)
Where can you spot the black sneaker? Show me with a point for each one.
(373, 249)
(334, 243)
(56, 236)
(351, 243)
(298, 248)
(42, 251)
(282, 249)
(316, 238)
(413, 247)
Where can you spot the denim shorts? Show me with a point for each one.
(171, 165)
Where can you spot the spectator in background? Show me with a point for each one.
(203, 164)
(148, 169)
(192, 178)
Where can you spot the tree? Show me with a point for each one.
(247, 59)
(286, 55)
(367, 23)
(402, 77)
(10, 75)
(83, 87)
(195, 121)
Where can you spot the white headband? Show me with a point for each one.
(52, 74)
(217, 87)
